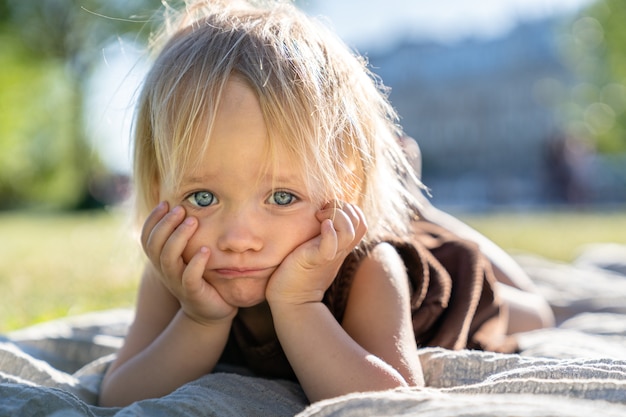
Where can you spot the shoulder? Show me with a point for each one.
(382, 266)
(384, 256)
(382, 259)
(377, 264)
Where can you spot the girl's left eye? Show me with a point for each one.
(282, 198)
(202, 198)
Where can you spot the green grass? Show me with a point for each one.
(554, 235)
(56, 265)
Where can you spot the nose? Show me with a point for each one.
(240, 232)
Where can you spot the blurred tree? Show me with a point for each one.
(597, 53)
(48, 51)
(34, 123)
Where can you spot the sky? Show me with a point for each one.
(365, 24)
(374, 22)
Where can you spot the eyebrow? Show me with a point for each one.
(186, 181)
(289, 179)
(281, 178)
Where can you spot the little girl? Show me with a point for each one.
(281, 219)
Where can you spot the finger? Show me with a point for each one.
(360, 226)
(357, 218)
(161, 231)
(153, 218)
(329, 210)
(351, 212)
(171, 257)
(328, 240)
(192, 280)
(344, 220)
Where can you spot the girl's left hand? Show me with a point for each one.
(307, 272)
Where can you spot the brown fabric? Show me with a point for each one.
(454, 304)
(263, 359)
(470, 315)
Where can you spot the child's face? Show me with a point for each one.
(250, 222)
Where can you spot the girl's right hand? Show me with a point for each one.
(164, 237)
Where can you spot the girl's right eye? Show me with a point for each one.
(202, 198)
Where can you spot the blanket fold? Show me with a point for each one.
(576, 369)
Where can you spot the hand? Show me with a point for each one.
(164, 237)
(307, 272)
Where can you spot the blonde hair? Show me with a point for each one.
(319, 102)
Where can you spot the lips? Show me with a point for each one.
(242, 272)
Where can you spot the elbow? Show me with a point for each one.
(392, 378)
(107, 397)
(104, 400)
(395, 380)
(388, 378)
(403, 376)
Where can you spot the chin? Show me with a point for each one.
(246, 303)
(248, 297)
(252, 305)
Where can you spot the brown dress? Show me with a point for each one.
(453, 304)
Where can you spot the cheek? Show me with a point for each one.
(304, 230)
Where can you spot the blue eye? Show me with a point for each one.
(202, 198)
(282, 198)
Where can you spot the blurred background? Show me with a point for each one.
(519, 108)
(516, 103)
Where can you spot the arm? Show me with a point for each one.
(181, 324)
(374, 348)
(329, 359)
(378, 313)
(163, 350)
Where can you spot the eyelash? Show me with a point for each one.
(193, 198)
(292, 197)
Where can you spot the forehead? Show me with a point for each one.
(237, 147)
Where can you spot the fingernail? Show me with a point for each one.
(177, 210)
(189, 221)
